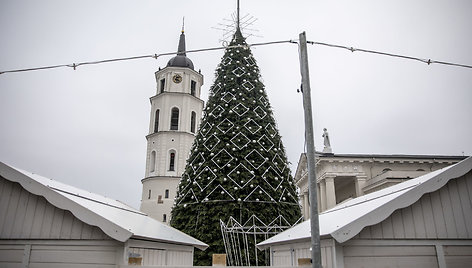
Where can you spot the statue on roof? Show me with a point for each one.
(327, 145)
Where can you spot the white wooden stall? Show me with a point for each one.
(424, 222)
(44, 223)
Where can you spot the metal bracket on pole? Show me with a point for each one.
(310, 155)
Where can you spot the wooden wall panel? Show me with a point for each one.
(20, 214)
(66, 255)
(179, 258)
(466, 203)
(155, 257)
(438, 215)
(390, 256)
(47, 218)
(27, 216)
(76, 230)
(382, 250)
(446, 209)
(458, 256)
(27, 226)
(66, 228)
(444, 214)
(430, 228)
(38, 217)
(408, 222)
(397, 224)
(289, 254)
(59, 253)
(11, 255)
(57, 223)
(328, 257)
(457, 209)
(391, 262)
(418, 220)
(282, 258)
(302, 252)
(4, 200)
(376, 231)
(387, 227)
(14, 197)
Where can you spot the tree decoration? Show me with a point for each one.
(238, 170)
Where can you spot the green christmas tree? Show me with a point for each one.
(237, 167)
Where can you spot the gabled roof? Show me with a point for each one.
(346, 220)
(117, 220)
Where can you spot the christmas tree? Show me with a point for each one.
(237, 169)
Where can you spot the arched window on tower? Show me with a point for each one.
(174, 119)
(172, 161)
(162, 85)
(193, 119)
(152, 166)
(156, 121)
(193, 87)
(166, 193)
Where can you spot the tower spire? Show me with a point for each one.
(181, 59)
(181, 48)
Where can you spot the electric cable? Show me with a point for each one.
(427, 61)
(155, 56)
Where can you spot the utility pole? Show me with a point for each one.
(310, 143)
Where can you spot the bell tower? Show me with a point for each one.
(176, 110)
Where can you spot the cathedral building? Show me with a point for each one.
(176, 110)
(342, 177)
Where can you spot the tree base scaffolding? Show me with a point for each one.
(240, 240)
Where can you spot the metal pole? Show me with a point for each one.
(237, 16)
(310, 143)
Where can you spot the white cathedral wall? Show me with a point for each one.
(183, 87)
(168, 100)
(151, 204)
(162, 179)
(163, 143)
(368, 171)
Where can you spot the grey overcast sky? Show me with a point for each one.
(87, 127)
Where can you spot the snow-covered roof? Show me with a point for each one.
(347, 219)
(116, 219)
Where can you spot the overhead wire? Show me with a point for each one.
(155, 56)
(427, 61)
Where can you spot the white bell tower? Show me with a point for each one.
(176, 111)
